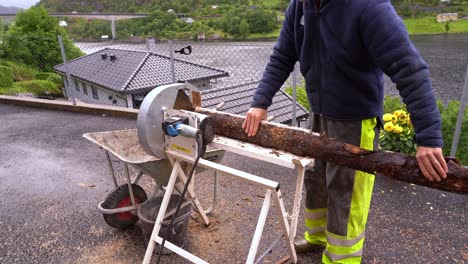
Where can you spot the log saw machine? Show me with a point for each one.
(169, 128)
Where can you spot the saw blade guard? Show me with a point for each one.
(151, 116)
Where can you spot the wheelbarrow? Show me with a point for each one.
(121, 205)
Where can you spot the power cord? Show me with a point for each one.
(201, 144)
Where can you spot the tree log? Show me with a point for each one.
(395, 165)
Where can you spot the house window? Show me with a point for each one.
(85, 89)
(95, 92)
(77, 86)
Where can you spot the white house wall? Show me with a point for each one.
(202, 84)
(120, 100)
(105, 96)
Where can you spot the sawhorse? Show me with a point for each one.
(272, 192)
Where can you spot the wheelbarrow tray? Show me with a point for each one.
(124, 144)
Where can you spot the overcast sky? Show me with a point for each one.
(18, 3)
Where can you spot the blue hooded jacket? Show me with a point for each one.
(343, 48)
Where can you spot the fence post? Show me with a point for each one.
(171, 55)
(294, 96)
(461, 111)
(114, 32)
(70, 85)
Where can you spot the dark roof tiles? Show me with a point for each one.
(237, 100)
(135, 71)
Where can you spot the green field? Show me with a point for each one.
(429, 25)
(415, 26)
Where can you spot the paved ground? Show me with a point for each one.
(51, 180)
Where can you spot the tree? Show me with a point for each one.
(244, 28)
(32, 39)
(1, 28)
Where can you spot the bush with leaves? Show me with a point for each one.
(301, 95)
(32, 39)
(21, 72)
(6, 76)
(38, 88)
(43, 75)
(55, 78)
(449, 114)
(398, 133)
(393, 103)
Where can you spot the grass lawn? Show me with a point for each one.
(429, 25)
(274, 34)
(270, 4)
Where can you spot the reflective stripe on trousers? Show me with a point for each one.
(337, 206)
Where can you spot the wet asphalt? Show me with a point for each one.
(51, 180)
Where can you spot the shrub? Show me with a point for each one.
(38, 88)
(42, 75)
(449, 116)
(21, 72)
(393, 103)
(13, 90)
(50, 76)
(301, 95)
(6, 76)
(398, 133)
(55, 78)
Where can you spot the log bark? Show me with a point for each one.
(397, 166)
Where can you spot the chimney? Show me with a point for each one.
(112, 57)
(151, 44)
(103, 56)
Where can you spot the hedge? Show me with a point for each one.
(55, 78)
(21, 72)
(38, 88)
(6, 76)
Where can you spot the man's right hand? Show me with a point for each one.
(252, 121)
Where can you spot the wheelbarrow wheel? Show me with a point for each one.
(119, 198)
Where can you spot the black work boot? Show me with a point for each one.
(302, 246)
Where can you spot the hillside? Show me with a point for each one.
(242, 19)
(131, 6)
(9, 9)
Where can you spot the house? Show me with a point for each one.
(188, 20)
(445, 17)
(237, 100)
(123, 77)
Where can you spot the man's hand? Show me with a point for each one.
(252, 121)
(432, 163)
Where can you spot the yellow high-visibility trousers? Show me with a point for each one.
(338, 198)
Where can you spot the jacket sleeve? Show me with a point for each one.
(281, 62)
(388, 43)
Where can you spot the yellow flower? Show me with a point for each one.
(408, 122)
(403, 118)
(398, 113)
(397, 129)
(388, 117)
(389, 127)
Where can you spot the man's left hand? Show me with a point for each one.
(432, 163)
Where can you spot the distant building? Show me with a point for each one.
(188, 20)
(201, 36)
(444, 17)
(123, 77)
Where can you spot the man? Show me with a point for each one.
(343, 47)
